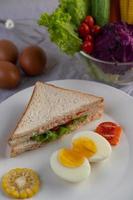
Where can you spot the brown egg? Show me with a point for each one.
(33, 60)
(8, 51)
(9, 75)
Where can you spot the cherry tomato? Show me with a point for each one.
(87, 47)
(89, 21)
(95, 29)
(89, 38)
(84, 30)
(110, 131)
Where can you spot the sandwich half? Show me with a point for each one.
(51, 113)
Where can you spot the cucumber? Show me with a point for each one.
(100, 10)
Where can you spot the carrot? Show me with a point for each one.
(115, 11)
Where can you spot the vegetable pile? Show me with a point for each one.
(62, 25)
(93, 26)
(64, 22)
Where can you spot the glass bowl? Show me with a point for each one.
(109, 72)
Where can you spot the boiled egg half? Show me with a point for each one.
(70, 165)
(91, 145)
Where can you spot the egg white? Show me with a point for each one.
(104, 149)
(76, 174)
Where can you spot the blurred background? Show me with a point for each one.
(25, 14)
(59, 65)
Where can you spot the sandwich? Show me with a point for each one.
(51, 113)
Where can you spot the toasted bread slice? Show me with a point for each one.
(51, 106)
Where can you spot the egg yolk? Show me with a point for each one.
(70, 158)
(84, 146)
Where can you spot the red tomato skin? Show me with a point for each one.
(89, 38)
(87, 47)
(89, 21)
(84, 30)
(96, 29)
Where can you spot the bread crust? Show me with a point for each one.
(56, 122)
(11, 135)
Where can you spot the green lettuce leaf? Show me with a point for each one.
(79, 120)
(63, 130)
(47, 136)
(62, 31)
(78, 9)
(63, 24)
(51, 135)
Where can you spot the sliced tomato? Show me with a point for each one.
(56, 128)
(111, 131)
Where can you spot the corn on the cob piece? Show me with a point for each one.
(130, 12)
(20, 183)
(124, 10)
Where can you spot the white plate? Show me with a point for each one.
(110, 180)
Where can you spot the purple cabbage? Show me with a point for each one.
(115, 43)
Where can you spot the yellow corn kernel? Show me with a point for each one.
(124, 9)
(23, 194)
(20, 183)
(12, 193)
(4, 184)
(130, 12)
(35, 189)
(15, 194)
(30, 193)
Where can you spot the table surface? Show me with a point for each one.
(59, 66)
